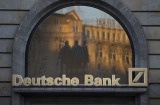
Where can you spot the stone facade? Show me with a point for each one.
(13, 12)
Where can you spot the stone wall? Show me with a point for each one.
(12, 13)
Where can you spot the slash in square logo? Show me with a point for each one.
(140, 78)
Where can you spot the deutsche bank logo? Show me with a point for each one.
(140, 78)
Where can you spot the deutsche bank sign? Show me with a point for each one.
(136, 77)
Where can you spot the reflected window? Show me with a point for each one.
(113, 54)
(108, 35)
(103, 35)
(88, 34)
(75, 29)
(118, 39)
(127, 57)
(114, 37)
(98, 37)
(100, 53)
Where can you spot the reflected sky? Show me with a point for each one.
(89, 15)
(86, 13)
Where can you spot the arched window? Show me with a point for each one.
(76, 51)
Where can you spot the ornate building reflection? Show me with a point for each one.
(109, 51)
(108, 47)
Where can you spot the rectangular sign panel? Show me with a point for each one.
(140, 79)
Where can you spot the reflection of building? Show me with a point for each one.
(63, 27)
(49, 38)
(109, 48)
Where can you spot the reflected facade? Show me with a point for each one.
(65, 43)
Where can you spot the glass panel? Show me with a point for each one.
(79, 40)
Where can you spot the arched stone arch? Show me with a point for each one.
(45, 7)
